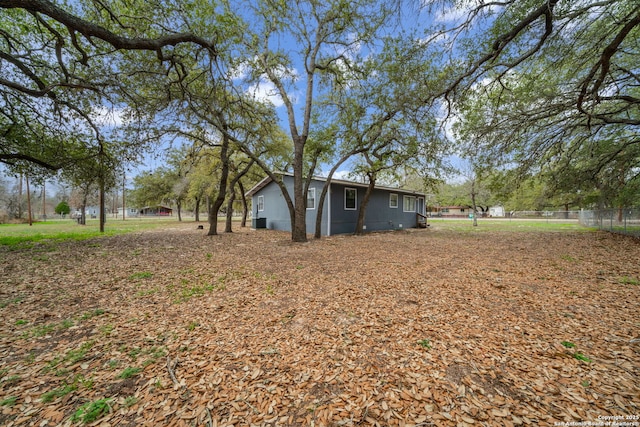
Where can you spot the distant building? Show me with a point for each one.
(157, 210)
(129, 212)
(452, 211)
(496, 211)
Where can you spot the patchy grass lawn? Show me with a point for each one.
(20, 236)
(423, 327)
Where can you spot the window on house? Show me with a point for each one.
(393, 200)
(311, 198)
(260, 203)
(350, 198)
(409, 203)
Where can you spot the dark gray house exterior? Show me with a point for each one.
(388, 208)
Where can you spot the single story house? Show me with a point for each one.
(128, 212)
(157, 210)
(388, 208)
(453, 211)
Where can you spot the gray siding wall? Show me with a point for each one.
(276, 211)
(379, 216)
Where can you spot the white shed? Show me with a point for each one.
(496, 211)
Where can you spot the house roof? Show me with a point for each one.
(156, 207)
(267, 180)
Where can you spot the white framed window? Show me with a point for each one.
(393, 200)
(260, 203)
(350, 199)
(311, 198)
(409, 203)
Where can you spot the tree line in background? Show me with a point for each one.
(538, 96)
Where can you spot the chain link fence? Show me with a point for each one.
(623, 221)
(548, 215)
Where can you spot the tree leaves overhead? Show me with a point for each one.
(560, 97)
(598, 39)
(59, 73)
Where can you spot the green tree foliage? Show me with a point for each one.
(551, 90)
(59, 73)
(325, 34)
(63, 208)
(154, 188)
(376, 116)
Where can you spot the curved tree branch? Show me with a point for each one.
(89, 29)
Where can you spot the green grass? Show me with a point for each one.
(52, 395)
(22, 236)
(71, 356)
(141, 275)
(425, 344)
(506, 224)
(91, 411)
(89, 314)
(581, 357)
(9, 401)
(629, 281)
(16, 300)
(129, 373)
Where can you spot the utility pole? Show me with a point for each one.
(29, 202)
(44, 202)
(124, 181)
(20, 197)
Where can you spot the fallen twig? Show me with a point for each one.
(171, 370)
(209, 422)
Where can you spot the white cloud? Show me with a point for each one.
(266, 91)
(460, 12)
(452, 15)
(109, 117)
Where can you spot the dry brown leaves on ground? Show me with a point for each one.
(410, 328)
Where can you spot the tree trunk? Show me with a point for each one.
(245, 207)
(179, 208)
(83, 213)
(237, 179)
(28, 201)
(44, 202)
(20, 198)
(124, 183)
(325, 190)
(103, 214)
(222, 187)
(363, 205)
(473, 202)
(197, 213)
(299, 224)
(229, 220)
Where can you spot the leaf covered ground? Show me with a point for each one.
(414, 328)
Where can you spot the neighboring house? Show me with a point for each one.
(388, 208)
(453, 211)
(157, 210)
(92, 211)
(128, 212)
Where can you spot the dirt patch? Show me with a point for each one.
(427, 327)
